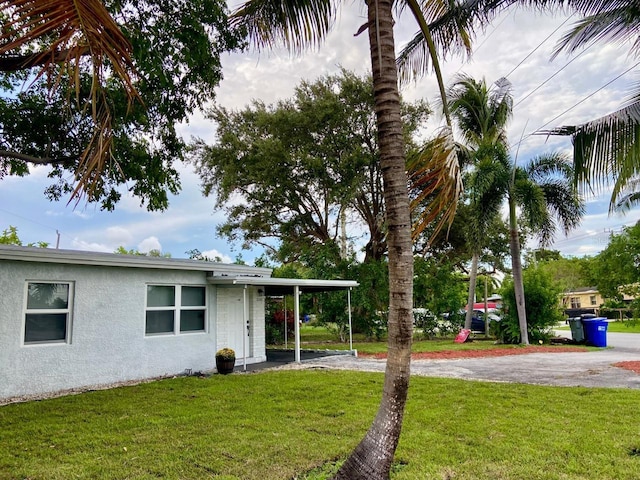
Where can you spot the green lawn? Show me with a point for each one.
(617, 327)
(624, 327)
(318, 337)
(280, 424)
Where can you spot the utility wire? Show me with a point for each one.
(617, 77)
(552, 76)
(539, 45)
(587, 97)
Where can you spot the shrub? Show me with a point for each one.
(226, 354)
(541, 304)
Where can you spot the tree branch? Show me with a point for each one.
(35, 160)
(12, 63)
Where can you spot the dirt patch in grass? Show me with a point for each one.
(633, 366)
(491, 352)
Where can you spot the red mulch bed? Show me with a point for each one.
(491, 352)
(633, 366)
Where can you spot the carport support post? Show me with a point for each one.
(296, 321)
(286, 324)
(349, 308)
(245, 328)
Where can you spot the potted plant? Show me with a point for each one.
(225, 360)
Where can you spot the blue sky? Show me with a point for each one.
(514, 46)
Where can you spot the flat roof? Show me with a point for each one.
(283, 286)
(77, 257)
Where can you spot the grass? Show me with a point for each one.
(280, 424)
(624, 327)
(318, 337)
(627, 326)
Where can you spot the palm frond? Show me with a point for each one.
(548, 198)
(295, 24)
(453, 26)
(617, 21)
(435, 183)
(71, 30)
(630, 197)
(548, 165)
(606, 150)
(75, 29)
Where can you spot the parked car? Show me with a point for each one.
(478, 323)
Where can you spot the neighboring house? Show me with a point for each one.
(582, 299)
(77, 320)
(585, 300)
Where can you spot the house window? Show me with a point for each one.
(575, 302)
(592, 299)
(48, 312)
(175, 309)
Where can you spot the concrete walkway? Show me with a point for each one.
(587, 369)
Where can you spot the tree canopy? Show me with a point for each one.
(617, 267)
(175, 63)
(304, 172)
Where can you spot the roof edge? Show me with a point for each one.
(78, 257)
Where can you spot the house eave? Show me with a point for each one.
(77, 257)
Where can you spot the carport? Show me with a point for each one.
(277, 287)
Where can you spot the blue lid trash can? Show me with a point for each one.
(595, 331)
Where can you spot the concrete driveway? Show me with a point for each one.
(586, 369)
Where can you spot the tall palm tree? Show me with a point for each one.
(606, 149)
(298, 24)
(543, 192)
(481, 114)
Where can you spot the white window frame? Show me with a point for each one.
(177, 308)
(593, 300)
(575, 302)
(44, 311)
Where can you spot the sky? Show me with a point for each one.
(518, 45)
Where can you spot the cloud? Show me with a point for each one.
(215, 255)
(117, 236)
(150, 243)
(80, 244)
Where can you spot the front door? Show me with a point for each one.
(238, 332)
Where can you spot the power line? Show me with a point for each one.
(539, 45)
(554, 75)
(617, 77)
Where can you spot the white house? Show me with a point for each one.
(77, 320)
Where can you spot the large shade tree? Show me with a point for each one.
(306, 169)
(94, 90)
(299, 24)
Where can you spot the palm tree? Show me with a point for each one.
(481, 114)
(605, 150)
(543, 191)
(298, 24)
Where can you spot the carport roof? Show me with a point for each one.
(284, 286)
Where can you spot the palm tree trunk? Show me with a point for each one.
(516, 267)
(473, 277)
(372, 458)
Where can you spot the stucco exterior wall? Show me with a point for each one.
(107, 342)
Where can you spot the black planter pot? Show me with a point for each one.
(225, 366)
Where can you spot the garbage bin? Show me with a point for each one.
(577, 332)
(595, 331)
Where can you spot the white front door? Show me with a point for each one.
(238, 332)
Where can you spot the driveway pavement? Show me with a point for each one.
(586, 369)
